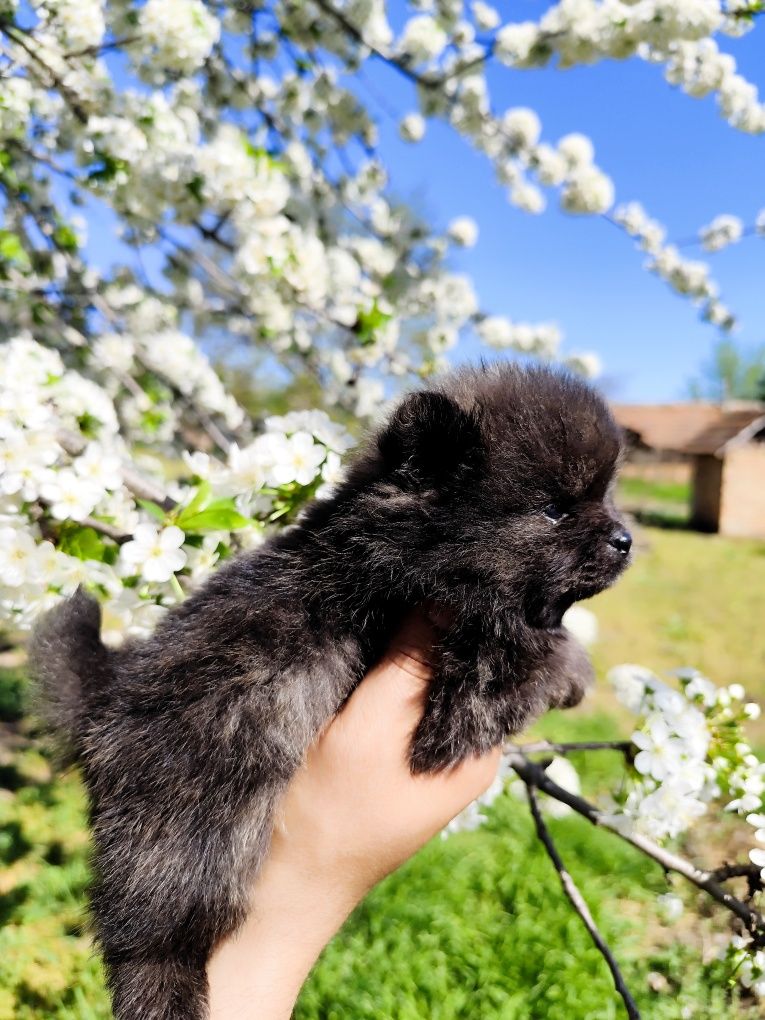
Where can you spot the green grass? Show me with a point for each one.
(661, 503)
(475, 926)
(633, 489)
(688, 599)
(478, 927)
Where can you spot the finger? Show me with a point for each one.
(476, 774)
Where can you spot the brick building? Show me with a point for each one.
(721, 447)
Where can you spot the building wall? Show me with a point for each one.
(707, 488)
(743, 504)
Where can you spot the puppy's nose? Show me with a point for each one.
(621, 540)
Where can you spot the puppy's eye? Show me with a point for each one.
(554, 512)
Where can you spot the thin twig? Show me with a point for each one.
(105, 529)
(19, 36)
(103, 47)
(579, 904)
(696, 241)
(534, 775)
(400, 65)
(547, 746)
(139, 486)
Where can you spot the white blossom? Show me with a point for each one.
(182, 32)
(99, 467)
(527, 197)
(522, 127)
(514, 44)
(587, 190)
(564, 774)
(586, 363)
(300, 460)
(577, 150)
(18, 557)
(582, 623)
(412, 127)
(154, 553)
(71, 496)
(422, 39)
(463, 231)
(486, 16)
(722, 231)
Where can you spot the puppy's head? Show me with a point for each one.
(509, 473)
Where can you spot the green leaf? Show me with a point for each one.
(65, 237)
(11, 249)
(42, 315)
(89, 424)
(368, 322)
(152, 508)
(199, 501)
(82, 542)
(152, 420)
(195, 187)
(215, 519)
(107, 169)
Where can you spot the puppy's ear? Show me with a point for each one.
(430, 438)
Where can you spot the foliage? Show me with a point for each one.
(732, 373)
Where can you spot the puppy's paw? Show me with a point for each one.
(450, 732)
(570, 673)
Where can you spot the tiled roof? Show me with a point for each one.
(690, 428)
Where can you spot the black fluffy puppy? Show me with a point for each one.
(489, 495)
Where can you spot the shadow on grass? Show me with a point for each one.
(666, 519)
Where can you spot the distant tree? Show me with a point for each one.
(732, 373)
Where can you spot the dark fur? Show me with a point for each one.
(187, 739)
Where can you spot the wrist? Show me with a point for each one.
(259, 971)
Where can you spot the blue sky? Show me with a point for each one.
(674, 154)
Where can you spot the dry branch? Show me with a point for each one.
(579, 904)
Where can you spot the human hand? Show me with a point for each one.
(352, 815)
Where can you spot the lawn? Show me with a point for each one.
(662, 502)
(688, 600)
(475, 926)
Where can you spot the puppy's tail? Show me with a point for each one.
(67, 661)
(163, 989)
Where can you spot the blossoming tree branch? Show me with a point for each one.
(233, 147)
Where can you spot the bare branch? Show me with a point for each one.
(579, 904)
(744, 870)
